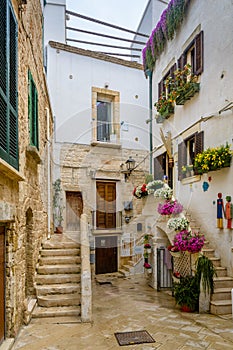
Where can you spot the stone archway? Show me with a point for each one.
(29, 288)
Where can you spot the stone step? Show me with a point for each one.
(67, 288)
(128, 268)
(58, 278)
(60, 245)
(223, 282)
(216, 261)
(60, 252)
(221, 294)
(208, 252)
(59, 300)
(58, 269)
(59, 260)
(221, 271)
(62, 311)
(221, 307)
(123, 272)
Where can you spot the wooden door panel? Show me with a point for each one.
(74, 209)
(2, 284)
(106, 254)
(105, 205)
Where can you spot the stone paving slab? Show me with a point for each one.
(129, 304)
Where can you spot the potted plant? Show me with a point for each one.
(186, 293)
(58, 206)
(147, 247)
(174, 251)
(148, 267)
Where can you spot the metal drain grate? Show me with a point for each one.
(131, 338)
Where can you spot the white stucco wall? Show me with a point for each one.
(54, 21)
(216, 91)
(71, 77)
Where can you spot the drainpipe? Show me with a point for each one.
(149, 74)
(48, 174)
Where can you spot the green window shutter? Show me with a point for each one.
(8, 85)
(33, 112)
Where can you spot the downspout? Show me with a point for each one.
(48, 175)
(149, 74)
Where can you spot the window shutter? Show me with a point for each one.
(199, 143)
(33, 112)
(199, 53)
(158, 168)
(172, 70)
(182, 159)
(8, 85)
(160, 88)
(182, 61)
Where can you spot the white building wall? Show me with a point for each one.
(216, 91)
(71, 77)
(54, 21)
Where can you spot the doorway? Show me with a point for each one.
(2, 283)
(74, 210)
(106, 254)
(105, 205)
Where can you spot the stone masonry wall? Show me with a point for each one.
(25, 191)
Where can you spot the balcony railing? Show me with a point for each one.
(117, 225)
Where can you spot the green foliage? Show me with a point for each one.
(205, 272)
(187, 292)
(58, 202)
(148, 178)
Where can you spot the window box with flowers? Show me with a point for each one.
(187, 170)
(213, 159)
(164, 106)
(184, 84)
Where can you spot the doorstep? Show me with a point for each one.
(7, 344)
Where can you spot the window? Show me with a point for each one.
(193, 55)
(187, 151)
(162, 167)
(105, 115)
(33, 112)
(161, 86)
(104, 120)
(8, 85)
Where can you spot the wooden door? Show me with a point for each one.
(74, 209)
(105, 205)
(105, 254)
(2, 283)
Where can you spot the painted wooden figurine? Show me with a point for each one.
(229, 211)
(220, 211)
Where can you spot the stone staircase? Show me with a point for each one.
(58, 278)
(220, 303)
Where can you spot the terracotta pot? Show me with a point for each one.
(59, 229)
(185, 308)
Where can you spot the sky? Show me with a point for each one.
(123, 13)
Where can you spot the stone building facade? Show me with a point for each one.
(25, 133)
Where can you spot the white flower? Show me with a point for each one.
(178, 224)
(165, 192)
(154, 185)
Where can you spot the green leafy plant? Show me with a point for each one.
(205, 273)
(186, 292)
(58, 206)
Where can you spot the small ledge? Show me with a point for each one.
(10, 172)
(191, 179)
(112, 231)
(34, 153)
(106, 144)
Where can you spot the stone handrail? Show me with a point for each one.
(86, 290)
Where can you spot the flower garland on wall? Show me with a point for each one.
(165, 29)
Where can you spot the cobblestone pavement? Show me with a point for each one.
(129, 304)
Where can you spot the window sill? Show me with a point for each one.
(34, 153)
(191, 179)
(111, 231)
(105, 144)
(10, 172)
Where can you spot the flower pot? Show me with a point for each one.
(149, 271)
(176, 254)
(59, 229)
(148, 250)
(186, 308)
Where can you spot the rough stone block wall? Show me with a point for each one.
(24, 193)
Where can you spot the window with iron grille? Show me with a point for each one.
(8, 85)
(33, 112)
